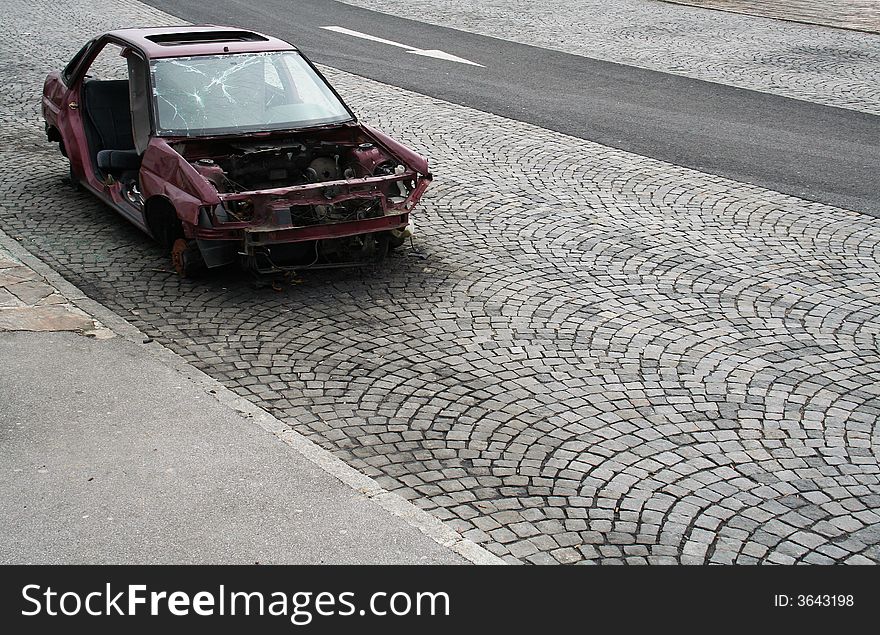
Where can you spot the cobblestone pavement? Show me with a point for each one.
(861, 15)
(594, 357)
(818, 64)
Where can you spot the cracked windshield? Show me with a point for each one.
(241, 92)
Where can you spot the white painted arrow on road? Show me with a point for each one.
(440, 55)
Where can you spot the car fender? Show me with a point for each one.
(165, 173)
(409, 156)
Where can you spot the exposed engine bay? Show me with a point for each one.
(239, 166)
(328, 197)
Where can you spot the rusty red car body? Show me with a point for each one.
(239, 150)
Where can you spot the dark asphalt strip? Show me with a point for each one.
(820, 153)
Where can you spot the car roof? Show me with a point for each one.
(188, 41)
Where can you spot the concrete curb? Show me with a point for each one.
(324, 459)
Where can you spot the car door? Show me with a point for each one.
(105, 62)
(61, 110)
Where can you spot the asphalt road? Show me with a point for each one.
(812, 151)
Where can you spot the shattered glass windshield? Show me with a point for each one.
(243, 92)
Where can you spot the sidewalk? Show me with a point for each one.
(856, 15)
(110, 454)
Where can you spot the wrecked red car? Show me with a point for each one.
(226, 146)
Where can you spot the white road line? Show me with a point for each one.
(441, 55)
(364, 36)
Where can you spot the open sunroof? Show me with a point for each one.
(204, 37)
